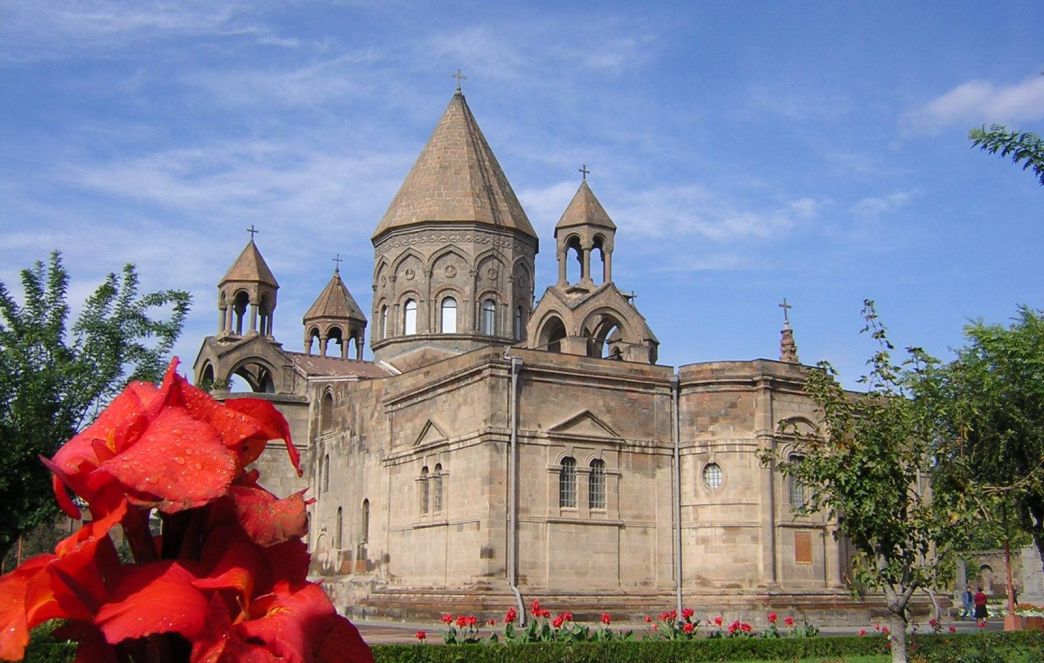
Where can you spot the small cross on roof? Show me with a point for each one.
(253, 231)
(584, 171)
(786, 307)
(460, 77)
(337, 263)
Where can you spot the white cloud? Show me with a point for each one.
(980, 102)
(875, 206)
(50, 29)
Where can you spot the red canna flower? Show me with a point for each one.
(447, 618)
(745, 627)
(687, 613)
(557, 623)
(510, 616)
(227, 575)
(772, 617)
(606, 619)
(862, 632)
(718, 620)
(536, 607)
(491, 622)
(688, 627)
(648, 619)
(788, 621)
(953, 629)
(422, 636)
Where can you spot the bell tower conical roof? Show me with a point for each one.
(584, 210)
(456, 178)
(250, 267)
(335, 302)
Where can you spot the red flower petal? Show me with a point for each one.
(273, 424)
(14, 626)
(153, 598)
(295, 621)
(267, 519)
(178, 463)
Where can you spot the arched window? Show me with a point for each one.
(364, 537)
(488, 324)
(795, 487)
(326, 413)
(409, 317)
(449, 316)
(438, 488)
(424, 489)
(596, 485)
(326, 473)
(384, 322)
(567, 483)
(239, 307)
(339, 532)
(519, 329)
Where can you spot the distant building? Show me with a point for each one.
(410, 456)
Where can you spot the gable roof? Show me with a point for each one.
(456, 178)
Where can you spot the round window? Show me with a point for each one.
(712, 475)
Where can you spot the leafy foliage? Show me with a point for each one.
(1023, 147)
(53, 378)
(991, 402)
(873, 466)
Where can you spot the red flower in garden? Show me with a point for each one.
(668, 616)
(933, 622)
(545, 614)
(226, 579)
(884, 629)
(862, 632)
(788, 621)
(606, 619)
(648, 619)
(772, 617)
(745, 627)
(718, 620)
(447, 618)
(953, 629)
(422, 636)
(687, 613)
(536, 607)
(557, 623)
(734, 626)
(510, 616)
(688, 627)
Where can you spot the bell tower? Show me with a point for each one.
(247, 295)
(584, 229)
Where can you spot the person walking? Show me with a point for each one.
(980, 608)
(967, 607)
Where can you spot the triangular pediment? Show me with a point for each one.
(584, 424)
(430, 433)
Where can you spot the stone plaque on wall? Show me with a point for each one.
(802, 548)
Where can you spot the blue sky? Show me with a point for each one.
(747, 151)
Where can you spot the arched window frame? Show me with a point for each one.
(437, 503)
(364, 536)
(409, 317)
(795, 489)
(520, 328)
(567, 483)
(596, 485)
(448, 315)
(424, 490)
(384, 322)
(488, 317)
(339, 532)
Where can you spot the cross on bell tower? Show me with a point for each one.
(787, 345)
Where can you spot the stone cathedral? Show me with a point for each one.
(500, 448)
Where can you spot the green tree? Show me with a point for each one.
(53, 378)
(1025, 148)
(872, 466)
(993, 408)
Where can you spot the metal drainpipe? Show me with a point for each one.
(512, 515)
(675, 434)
